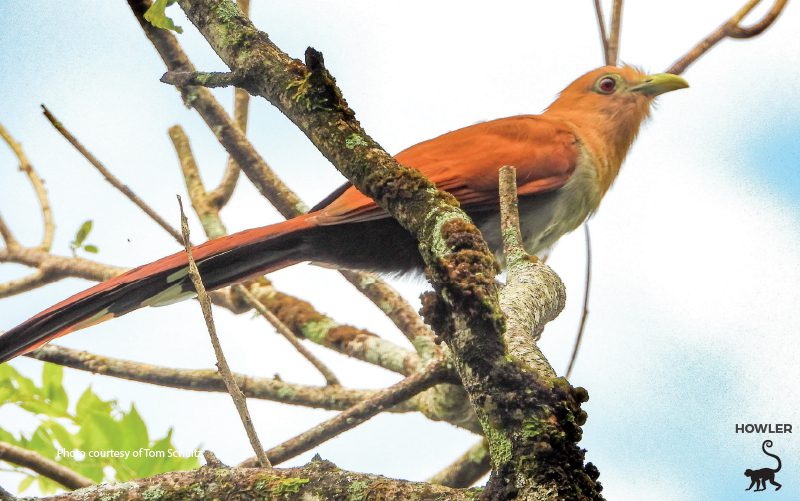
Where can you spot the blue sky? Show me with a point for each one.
(693, 315)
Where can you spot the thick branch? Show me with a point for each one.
(43, 466)
(316, 480)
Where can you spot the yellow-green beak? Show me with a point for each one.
(654, 85)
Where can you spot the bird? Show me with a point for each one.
(566, 160)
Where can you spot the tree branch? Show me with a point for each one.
(587, 288)
(613, 38)
(317, 480)
(116, 183)
(222, 364)
(730, 28)
(38, 187)
(359, 413)
(329, 397)
(467, 469)
(43, 466)
(601, 23)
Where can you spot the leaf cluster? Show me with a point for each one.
(93, 425)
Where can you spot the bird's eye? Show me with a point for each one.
(606, 85)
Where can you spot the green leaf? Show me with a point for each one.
(90, 404)
(64, 437)
(26, 482)
(52, 378)
(157, 16)
(83, 232)
(91, 248)
(134, 431)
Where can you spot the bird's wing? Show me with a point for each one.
(466, 163)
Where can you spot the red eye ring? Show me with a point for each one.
(607, 85)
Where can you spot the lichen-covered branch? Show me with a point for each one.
(43, 466)
(465, 311)
(434, 373)
(328, 397)
(317, 480)
(217, 119)
(731, 28)
(280, 327)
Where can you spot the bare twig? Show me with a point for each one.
(601, 23)
(467, 469)
(38, 186)
(207, 212)
(5, 233)
(116, 183)
(613, 37)
(224, 371)
(586, 290)
(43, 466)
(730, 28)
(220, 195)
(357, 414)
(330, 377)
(328, 397)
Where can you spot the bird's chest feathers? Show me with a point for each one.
(545, 217)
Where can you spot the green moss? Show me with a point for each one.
(357, 491)
(290, 485)
(355, 140)
(153, 493)
(499, 443)
(317, 330)
(286, 393)
(226, 11)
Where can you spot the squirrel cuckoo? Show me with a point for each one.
(566, 159)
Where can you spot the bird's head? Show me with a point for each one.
(610, 103)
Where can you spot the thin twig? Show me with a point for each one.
(5, 233)
(208, 213)
(220, 195)
(333, 398)
(601, 23)
(357, 414)
(467, 469)
(613, 37)
(207, 79)
(38, 186)
(43, 466)
(730, 28)
(330, 377)
(222, 364)
(116, 183)
(586, 290)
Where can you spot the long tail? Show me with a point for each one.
(768, 443)
(221, 262)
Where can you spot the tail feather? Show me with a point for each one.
(221, 262)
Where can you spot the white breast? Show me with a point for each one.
(546, 217)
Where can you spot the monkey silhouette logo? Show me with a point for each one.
(760, 477)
